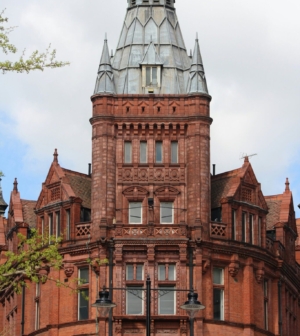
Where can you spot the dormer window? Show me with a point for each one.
(151, 76)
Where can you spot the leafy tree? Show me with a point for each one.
(1, 174)
(33, 261)
(36, 61)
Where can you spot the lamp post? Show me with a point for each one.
(192, 306)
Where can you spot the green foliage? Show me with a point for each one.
(33, 260)
(1, 174)
(36, 61)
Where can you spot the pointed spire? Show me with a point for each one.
(55, 155)
(3, 204)
(287, 184)
(15, 185)
(105, 79)
(197, 82)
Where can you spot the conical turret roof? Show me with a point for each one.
(197, 81)
(3, 204)
(105, 79)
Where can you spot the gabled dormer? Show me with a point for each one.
(64, 204)
(237, 202)
(151, 70)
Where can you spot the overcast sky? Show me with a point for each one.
(251, 55)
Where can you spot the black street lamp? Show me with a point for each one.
(192, 306)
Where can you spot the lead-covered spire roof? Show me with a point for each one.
(197, 81)
(151, 31)
(105, 78)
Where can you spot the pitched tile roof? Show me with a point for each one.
(81, 185)
(29, 216)
(224, 185)
(219, 190)
(274, 205)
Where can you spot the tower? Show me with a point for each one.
(151, 159)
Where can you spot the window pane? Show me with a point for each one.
(127, 152)
(143, 152)
(154, 76)
(84, 275)
(218, 276)
(57, 224)
(166, 301)
(135, 212)
(83, 304)
(218, 304)
(50, 225)
(166, 212)
(244, 227)
(172, 274)
(162, 272)
(68, 225)
(174, 152)
(134, 302)
(158, 152)
(129, 272)
(139, 272)
(148, 76)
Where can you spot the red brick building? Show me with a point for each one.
(152, 207)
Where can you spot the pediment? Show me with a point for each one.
(135, 193)
(166, 193)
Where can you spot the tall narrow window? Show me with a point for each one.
(166, 213)
(134, 300)
(83, 295)
(251, 217)
(218, 293)
(57, 220)
(143, 152)
(127, 152)
(166, 301)
(259, 231)
(266, 302)
(233, 224)
(158, 152)
(42, 226)
(174, 152)
(50, 218)
(135, 213)
(68, 224)
(151, 76)
(37, 306)
(244, 226)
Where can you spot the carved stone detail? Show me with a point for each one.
(234, 266)
(69, 269)
(260, 272)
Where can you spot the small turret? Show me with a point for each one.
(3, 204)
(105, 79)
(197, 81)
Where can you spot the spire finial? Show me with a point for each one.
(105, 39)
(287, 184)
(246, 159)
(15, 185)
(55, 155)
(197, 39)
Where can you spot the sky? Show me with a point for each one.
(251, 55)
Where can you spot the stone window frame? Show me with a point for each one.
(86, 288)
(221, 288)
(135, 193)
